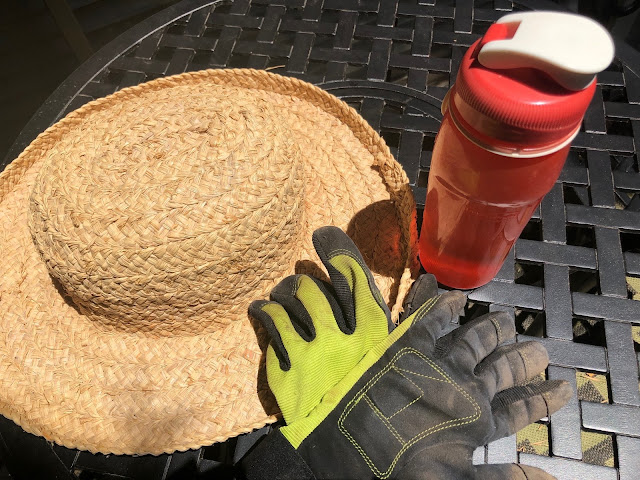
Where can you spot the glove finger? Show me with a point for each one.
(353, 283)
(510, 471)
(276, 321)
(423, 289)
(515, 408)
(474, 341)
(430, 318)
(310, 305)
(513, 364)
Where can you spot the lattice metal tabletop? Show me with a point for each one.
(573, 279)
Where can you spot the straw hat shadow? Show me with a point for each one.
(376, 233)
(63, 294)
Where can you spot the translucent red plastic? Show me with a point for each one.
(477, 204)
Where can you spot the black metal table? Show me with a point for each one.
(571, 278)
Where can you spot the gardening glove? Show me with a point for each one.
(412, 404)
(315, 341)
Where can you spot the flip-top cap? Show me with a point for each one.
(528, 82)
(570, 48)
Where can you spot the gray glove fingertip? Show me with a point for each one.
(515, 408)
(256, 311)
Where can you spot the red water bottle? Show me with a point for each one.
(518, 102)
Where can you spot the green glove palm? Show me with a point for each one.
(412, 404)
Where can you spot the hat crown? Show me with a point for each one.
(178, 214)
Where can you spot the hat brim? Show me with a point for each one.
(83, 385)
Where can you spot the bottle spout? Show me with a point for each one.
(570, 48)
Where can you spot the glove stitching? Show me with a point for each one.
(384, 419)
(419, 375)
(400, 372)
(443, 426)
(424, 309)
(407, 445)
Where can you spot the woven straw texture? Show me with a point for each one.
(136, 231)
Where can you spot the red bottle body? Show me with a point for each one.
(478, 203)
(501, 147)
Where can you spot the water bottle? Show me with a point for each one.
(509, 119)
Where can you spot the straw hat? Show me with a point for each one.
(135, 232)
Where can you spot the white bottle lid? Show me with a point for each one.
(568, 47)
